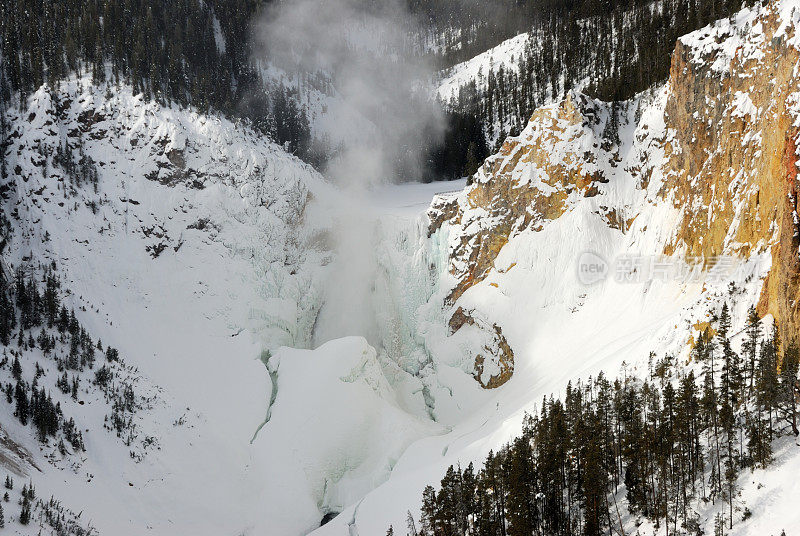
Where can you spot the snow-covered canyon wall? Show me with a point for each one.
(702, 168)
(203, 252)
(732, 165)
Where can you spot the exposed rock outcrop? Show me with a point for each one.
(494, 365)
(531, 180)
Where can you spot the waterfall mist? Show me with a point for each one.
(381, 81)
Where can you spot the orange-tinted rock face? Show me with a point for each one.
(733, 169)
(779, 295)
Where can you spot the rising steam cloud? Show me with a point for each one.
(385, 117)
(385, 120)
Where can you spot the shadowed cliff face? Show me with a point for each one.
(719, 147)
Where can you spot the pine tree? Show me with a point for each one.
(22, 407)
(7, 309)
(731, 370)
(446, 518)
(429, 511)
(594, 480)
(28, 495)
(411, 524)
(468, 488)
(750, 346)
(789, 369)
(16, 368)
(25, 513)
(521, 506)
(710, 403)
(767, 387)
